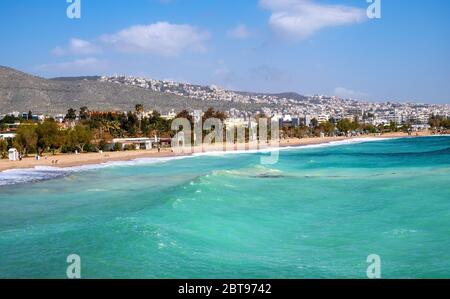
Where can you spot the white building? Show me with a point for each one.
(137, 143)
(7, 136)
(169, 116)
(13, 154)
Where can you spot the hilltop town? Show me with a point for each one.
(298, 116)
(294, 107)
(21, 93)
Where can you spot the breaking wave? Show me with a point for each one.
(40, 173)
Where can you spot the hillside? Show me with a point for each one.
(23, 92)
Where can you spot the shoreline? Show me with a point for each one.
(72, 160)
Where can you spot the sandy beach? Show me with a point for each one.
(69, 160)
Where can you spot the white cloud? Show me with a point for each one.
(58, 51)
(77, 47)
(299, 19)
(160, 38)
(239, 32)
(349, 93)
(83, 64)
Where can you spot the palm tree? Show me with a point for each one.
(84, 113)
(140, 112)
(139, 108)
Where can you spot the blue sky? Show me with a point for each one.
(307, 46)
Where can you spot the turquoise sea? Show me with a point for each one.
(317, 213)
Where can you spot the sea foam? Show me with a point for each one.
(40, 173)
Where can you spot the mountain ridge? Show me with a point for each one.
(22, 92)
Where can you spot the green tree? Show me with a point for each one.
(355, 124)
(139, 109)
(84, 113)
(393, 126)
(437, 122)
(327, 128)
(139, 112)
(211, 113)
(9, 119)
(314, 123)
(79, 137)
(345, 125)
(117, 147)
(130, 123)
(49, 136)
(71, 114)
(156, 125)
(26, 138)
(3, 148)
(186, 115)
(370, 129)
(446, 123)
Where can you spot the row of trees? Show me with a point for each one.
(108, 125)
(47, 137)
(341, 127)
(439, 122)
(91, 131)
